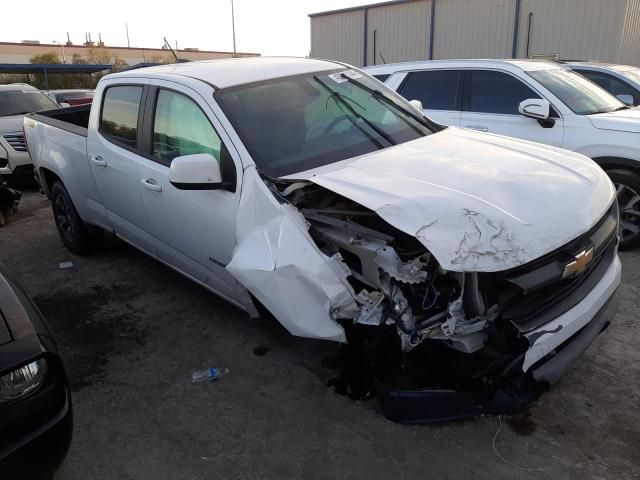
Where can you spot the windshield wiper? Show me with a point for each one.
(378, 94)
(371, 125)
(623, 107)
(13, 113)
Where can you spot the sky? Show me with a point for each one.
(269, 27)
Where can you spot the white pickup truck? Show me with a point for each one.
(306, 189)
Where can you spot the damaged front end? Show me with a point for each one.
(434, 344)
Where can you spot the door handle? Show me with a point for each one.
(151, 184)
(480, 128)
(99, 161)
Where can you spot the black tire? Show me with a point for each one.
(78, 237)
(627, 184)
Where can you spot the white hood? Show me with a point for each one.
(622, 121)
(478, 202)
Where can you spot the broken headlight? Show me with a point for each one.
(23, 380)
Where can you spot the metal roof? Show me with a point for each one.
(361, 7)
(52, 68)
(228, 72)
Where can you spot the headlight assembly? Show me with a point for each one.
(22, 381)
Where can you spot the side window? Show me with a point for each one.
(119, 117)
(436, 89)
(382, 77)
(496, 92)
(610, 83)
(180, 127)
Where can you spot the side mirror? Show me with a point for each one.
(200, 171)
(417, 104)
(537, 108)
(626, 99)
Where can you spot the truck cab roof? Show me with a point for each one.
(224, 73)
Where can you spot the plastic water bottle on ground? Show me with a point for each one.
(209, 374)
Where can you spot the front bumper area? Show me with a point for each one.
(553, 349)
(38, 451)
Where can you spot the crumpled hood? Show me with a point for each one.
(478, 202)
(622, 121)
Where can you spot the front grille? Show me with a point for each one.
(16, 141)
(532, 295)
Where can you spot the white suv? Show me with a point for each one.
(16, 100)
(534, 100)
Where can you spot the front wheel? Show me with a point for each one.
(627, 185)
(74, 233)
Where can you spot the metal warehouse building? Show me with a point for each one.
(404, 30)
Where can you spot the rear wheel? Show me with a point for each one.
(78, 237)
(627, 185)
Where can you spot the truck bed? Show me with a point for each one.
(71, 119)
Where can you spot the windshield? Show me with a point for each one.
(15, 102)
(633, 75)
(579, 94)
(297, 123)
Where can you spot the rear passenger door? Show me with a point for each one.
(490, 104)
(113, 147)
(440, 92)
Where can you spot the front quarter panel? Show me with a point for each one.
(279, 263)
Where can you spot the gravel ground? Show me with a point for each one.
(131, 332)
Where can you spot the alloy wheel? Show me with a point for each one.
(63, 217)
(629, 207)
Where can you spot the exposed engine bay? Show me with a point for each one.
(396, 280)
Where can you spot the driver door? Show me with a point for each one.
(194, 230)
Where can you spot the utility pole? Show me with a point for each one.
(64, 58)
(126, 26)
(233, 29)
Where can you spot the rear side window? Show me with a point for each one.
(381, 77)
(436, 89)
(496, 92)
(119, 118)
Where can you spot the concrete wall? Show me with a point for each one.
(603, 30)
(21, 53)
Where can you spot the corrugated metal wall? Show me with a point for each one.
(575, 29)
(630, 44)
(603, 30)
(474, 28)
(401, 32)
(339, 37)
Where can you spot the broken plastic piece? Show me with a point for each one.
(208, 375)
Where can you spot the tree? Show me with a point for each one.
(118, 64)
(99, 55)
(48, 57)
(77, 59)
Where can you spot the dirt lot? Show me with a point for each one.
(131, 331)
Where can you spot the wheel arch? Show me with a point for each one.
(47, 179)
(617, 162)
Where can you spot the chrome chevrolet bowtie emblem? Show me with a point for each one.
(578, 265)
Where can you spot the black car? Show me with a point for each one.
(35, 401)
